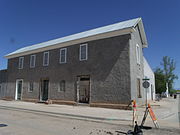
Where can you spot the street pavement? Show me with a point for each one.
(23, 118)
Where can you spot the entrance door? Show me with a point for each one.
(83, 89)
(44, 90)
(19, 88)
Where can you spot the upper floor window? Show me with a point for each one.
(21, 62)
(32, 61)
(83, 55)
(138, 54)
(63, 53)
(46, 59)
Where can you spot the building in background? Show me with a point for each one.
(100, 67)
(148, 73)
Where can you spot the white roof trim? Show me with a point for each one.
(98, 33)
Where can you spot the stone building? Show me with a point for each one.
(99, 67)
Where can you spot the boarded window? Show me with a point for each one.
(31, 86)
(138, 54)
(63, 53)
(139, 88)
(62, 85)
(21, 62)
(46, 59)
(83, 55)
(32, 61)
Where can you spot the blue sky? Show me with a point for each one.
(28, 22)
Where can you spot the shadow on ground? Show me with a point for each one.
(3, 125)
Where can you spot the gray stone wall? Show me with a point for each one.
(108, 66)
(137, 70)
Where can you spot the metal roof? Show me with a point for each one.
(97, 31)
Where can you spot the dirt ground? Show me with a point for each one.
(21, 118)
(17, 122)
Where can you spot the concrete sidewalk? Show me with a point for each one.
(164, 111)
(113, 116)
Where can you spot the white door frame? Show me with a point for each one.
(16, 93)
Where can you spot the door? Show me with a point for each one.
(83, 89)
(19, 89)
(44, 90)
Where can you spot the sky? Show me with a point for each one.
(28, 22)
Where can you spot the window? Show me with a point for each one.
(83, 55)
(62, 86)
(63, 53)
(138, 53)
(31, 87)
(139, 88)
(21, 62)
(46, 59)
(32, 61)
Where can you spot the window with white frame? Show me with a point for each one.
(21, 62)
(32, 61)
(138, 54)
(63, 55)
(46, 59)
(31, 87)
(83, 52)
(62, 85)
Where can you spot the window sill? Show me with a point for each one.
(83, 60)
(30, 91)
(63, 63)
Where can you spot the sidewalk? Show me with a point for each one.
(165, 113)
(113, 116)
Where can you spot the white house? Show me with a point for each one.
(148, 73)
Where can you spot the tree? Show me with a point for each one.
(160, 82)
(165, 75)
(169, 66)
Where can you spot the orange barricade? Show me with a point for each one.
(134, 112)
(153, 117)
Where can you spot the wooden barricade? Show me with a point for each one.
(153, 117)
